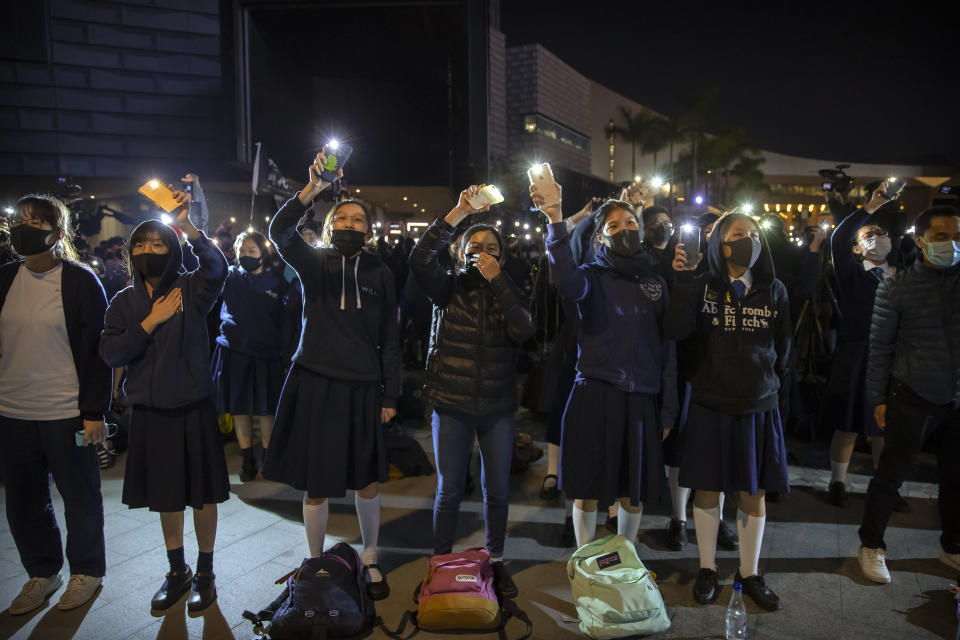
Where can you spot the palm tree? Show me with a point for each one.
(751, 177)
(720, 152)
(692, 121)
(634, 131)
(657, 137)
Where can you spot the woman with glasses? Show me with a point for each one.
(860, 249)
(54, 390)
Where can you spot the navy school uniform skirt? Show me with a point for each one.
(327, 436)
(175, 458)
(610, 445)
(845, 405)
(246, 385)
(733, 453)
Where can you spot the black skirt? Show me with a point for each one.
(733, 453)
(845, 405)
(610, 446)
(327, 436)
(245, 385)
(175, 458)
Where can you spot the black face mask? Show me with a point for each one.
(471, 273)
(347, 241)
(249, 263)
(150, 265)
(658, 234)
(623, 243)
(28, 241)
(744, 252)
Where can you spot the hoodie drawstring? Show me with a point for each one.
(356, 280)
(343, 282)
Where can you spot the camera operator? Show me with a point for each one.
(913, 383)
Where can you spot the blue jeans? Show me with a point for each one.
(453, 434)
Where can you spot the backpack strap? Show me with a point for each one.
(408, 617)
(511, 610)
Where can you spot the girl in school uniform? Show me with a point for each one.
(247, 361)
(345, 378)
(54, 390)
(737, 316)
(625, 388)
(157, 329)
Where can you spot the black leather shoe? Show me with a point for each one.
(756, 588)
(707, 588)
(901, 505)
(502, 581)
(172, 589)
(838, 494)
(727, 537)
(203, 592)
(378, 590)
(676, 535)
(567, 536)
(248, 472)
(611, 524)
(549, 493)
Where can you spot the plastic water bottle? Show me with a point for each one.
(736, 618)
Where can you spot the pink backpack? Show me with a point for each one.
(457, 593)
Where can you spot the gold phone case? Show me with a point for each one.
(160, 195)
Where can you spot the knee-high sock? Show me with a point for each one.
(628, 524)
(722, 499)
(315, 520)
(584, 525)
(750, 530)
(838, 471)
(707, 522)
(368, 513)
(678, 495)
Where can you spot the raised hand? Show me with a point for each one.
(554, 212)
(464, 208)
(163, 309)
(316, 183)
(680, 260)
(488, 266)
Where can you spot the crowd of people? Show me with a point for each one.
(680, 363)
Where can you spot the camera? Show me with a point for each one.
(836, 179)
(950, 190)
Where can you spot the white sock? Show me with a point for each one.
(707, 522)
(628, 524)
(315, 521)
(678, 495)
(721, 499)
(838, 471)
(368, 513)
(751, 535)
(584, 525)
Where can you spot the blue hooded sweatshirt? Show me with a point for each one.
(169, 368)
(252, 316)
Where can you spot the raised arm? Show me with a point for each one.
(206, 282)
(436, 280)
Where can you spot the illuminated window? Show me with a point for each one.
(538, 124)
(530, 123)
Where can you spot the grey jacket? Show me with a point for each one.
(915, 335)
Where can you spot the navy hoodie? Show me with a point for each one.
(169, 368)
(740, 347)
(252, 316)
(342, 337)
(621, 338)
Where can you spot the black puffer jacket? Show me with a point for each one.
(470, 364)
(915, 335)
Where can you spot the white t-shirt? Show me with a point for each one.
(38, 378)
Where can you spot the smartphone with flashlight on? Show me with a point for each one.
(893, 188)
(542, 176)
(690, 239)
(488, 195)
(160, 195)
(337, 154)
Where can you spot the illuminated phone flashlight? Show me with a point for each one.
(656, 183)
(698, 199)
(535, 169)
(892, 179)
(165, 219)
(912, 230)
(825, 226)
(687, 228)
(636, 178)
(154, 184)
(8, 211)
(765, 224)
(333, 144)
(748, 207)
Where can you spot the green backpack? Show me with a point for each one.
(614, 593)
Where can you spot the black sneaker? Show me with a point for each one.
(676, 535)
(706, 589)
(756, 588)
(838, 494)
(203, 592)
(901, 505)
(568, 538)
(248, 472)
(503, 582)
(551, 493)
(727, 537)
(172, 589)
(378, 590)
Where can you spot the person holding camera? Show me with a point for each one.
(625, 389)
(479, 319)
(738, 316)
(861, 249)
(913, 384)
(157, 329)
(345, 378)
(54, 392)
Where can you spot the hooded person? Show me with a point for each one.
(157, 329)
(738, 319)
(624, 395)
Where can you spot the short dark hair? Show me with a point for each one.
(604, 210)
(258, 239)
(650, 212)
(922, 223)
(142, 232)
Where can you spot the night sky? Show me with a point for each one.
(832, 81)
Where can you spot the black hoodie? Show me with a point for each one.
(170, 367)
(740, 347)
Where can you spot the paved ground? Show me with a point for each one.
(808, 557)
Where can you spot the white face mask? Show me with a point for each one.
(875, 249)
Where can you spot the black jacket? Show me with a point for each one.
(84, 305)
(470, 363)
(915, 335)
(740, 349)
(342, 337)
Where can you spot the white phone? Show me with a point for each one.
(542, 176)
(488, 195)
